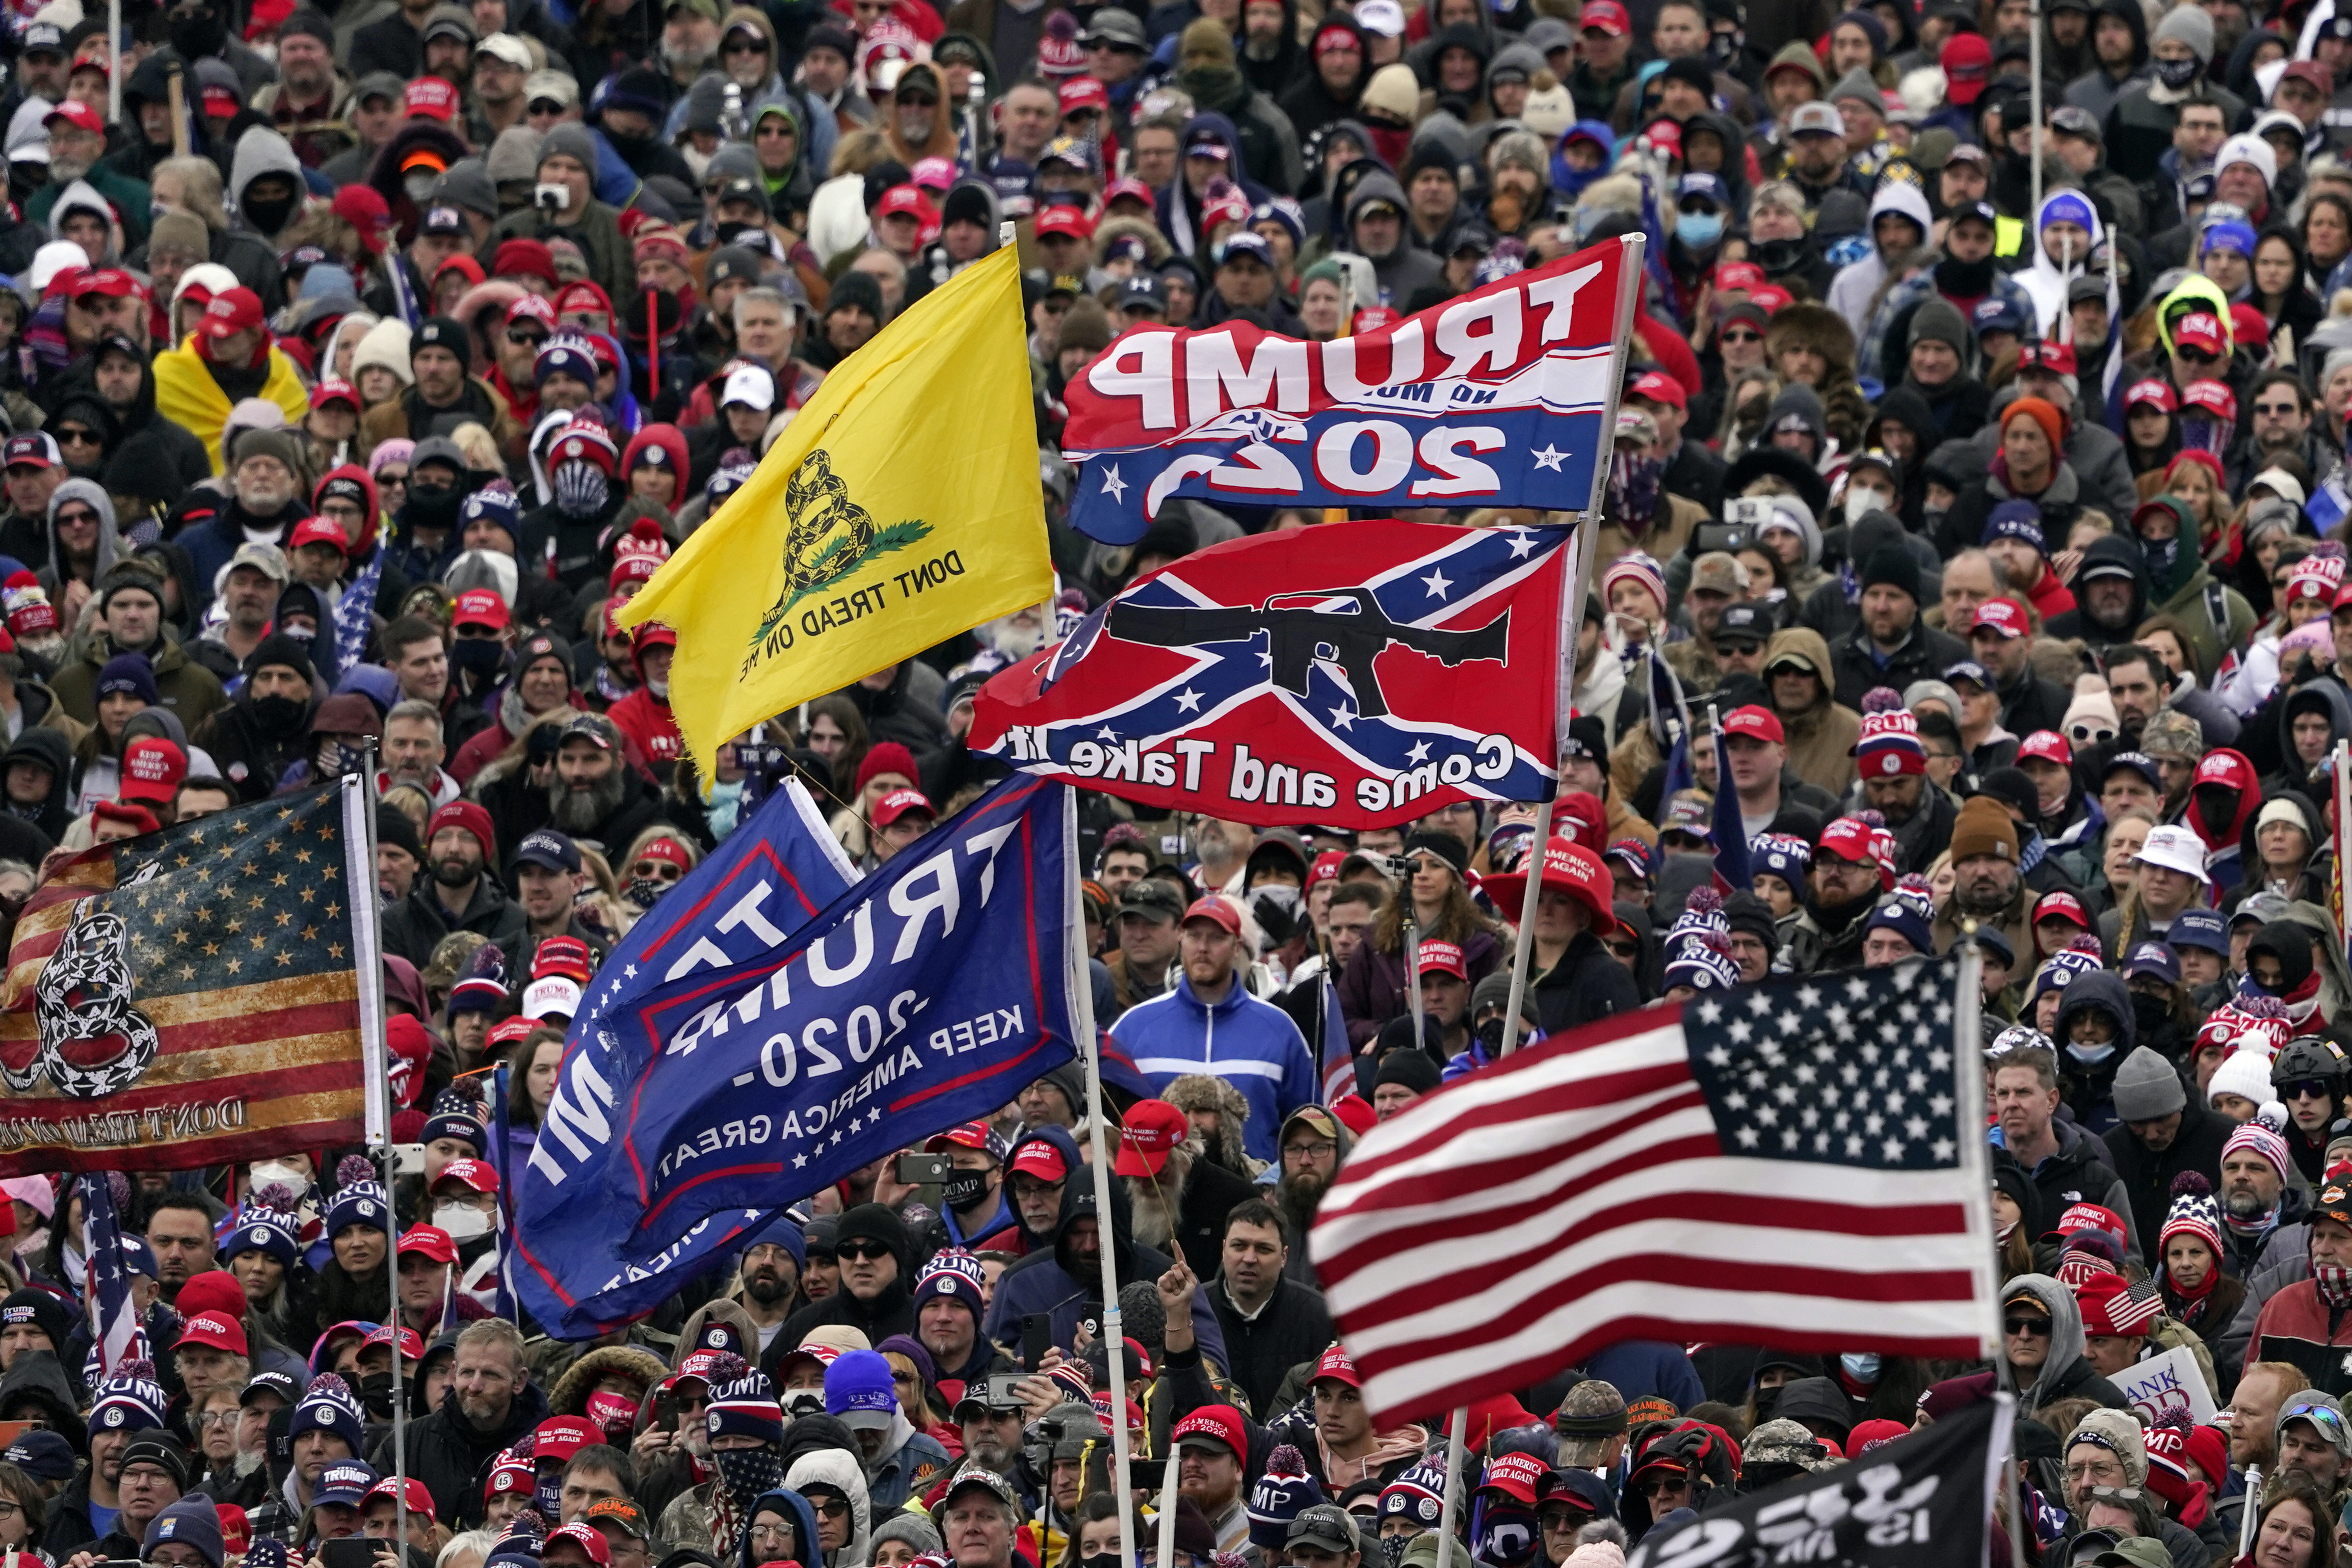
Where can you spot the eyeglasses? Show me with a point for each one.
(831, 1506)
(656, 871)
(772, 1532)
(1301, 1153)
(861, 1251)
(2090, 733)
(1564, 1519)
(2038, 1328)
(209, 1418)
(775, 131)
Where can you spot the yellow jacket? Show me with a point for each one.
(186, 395)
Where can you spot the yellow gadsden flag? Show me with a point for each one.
(900, 507)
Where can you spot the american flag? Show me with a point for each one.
(1338, 1058)
(1781, 1163)
(1732, 871)
(355, 614)
(114, 1331)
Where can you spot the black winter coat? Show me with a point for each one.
(447, 1452)
(1585, 985)
(2147, 1175)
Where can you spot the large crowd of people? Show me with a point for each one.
(361, 363)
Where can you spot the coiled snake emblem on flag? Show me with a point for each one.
(93, 1041)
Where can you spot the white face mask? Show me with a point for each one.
(1860, 502)
(462, 1223)
(287, 1176)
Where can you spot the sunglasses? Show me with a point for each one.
(2278, 409)
(77, 516)
(745, 46)
(1662, 1486)
(2195, 356)
(1624, 950)
(1741, 338)
(525, 340)
(656, 871)
(2089, 734)
(831, 1506)
(2303, 1089)
(861, 1251)
(2037, 1327)
(70, 436)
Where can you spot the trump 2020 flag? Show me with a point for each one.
(764, 881)
(900, 509)
(927, 995)
(1783, 1162)
(1924, 1498)
(1494, 398)
(1362, 674)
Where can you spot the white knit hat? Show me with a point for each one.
(2241, 1073)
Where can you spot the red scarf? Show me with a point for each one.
(2186, 1304)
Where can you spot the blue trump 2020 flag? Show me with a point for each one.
(762, 883)
(926, 996)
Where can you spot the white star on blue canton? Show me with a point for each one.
(1523, 544)
(1113, 486)
(1438, 583)
(1187, 701)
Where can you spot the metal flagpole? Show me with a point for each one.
(1968, 1074)
(1524, 948)
(367, 897)
(1455, 1458)
(113, 60)
(1168, 1506)
(2033, 154)
(1082, 1008)
(1411, 971)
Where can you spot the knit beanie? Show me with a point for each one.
(128, 672)
(456, 1116)
(571, 140)
(1409, 1069)
(1284, 1489)
(41, 1310)
(2193, 25)
(746, 1404)
(1703, 961)
(360, 1199)
(1417, 1494)
(2043, 414)
(885, 757)
(192, 1521)
(2193, 1212)
(2245, 1073)
(2257, 1138)
(873, 1222)
(2118, 1432)
(1908, 912)
(1744, 912)
(1983, 828)
(132, 1401)
(328, 1407)
(2146, 1087)
(911, 1528)
(1892, 565)
(859, 1389)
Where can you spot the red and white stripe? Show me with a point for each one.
(1511, 1223)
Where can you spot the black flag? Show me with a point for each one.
(1926, 1498)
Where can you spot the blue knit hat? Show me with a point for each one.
(360, 1199)
(1418, 1493)
(328, 1407)
(1703, 961)
(495, 503)
(954, 1273)
(747, 1406)
(1909, 912)
(455, 1116)
(128, 672)
(131, 1400)
(1785, 855)
(1276, 1497)
(859, 1389)
(566, 352)
(192, 1521)
(783, 1231)
(264, 1227)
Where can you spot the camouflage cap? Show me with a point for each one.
(2173, 734)
(1592, 1413)
(1785, 1442)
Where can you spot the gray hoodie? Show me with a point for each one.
(2065, 1341)
(109, 541)
(259, 152)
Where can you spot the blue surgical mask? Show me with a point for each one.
(2090, 1055)
(1862, 1366)
(1698, 231)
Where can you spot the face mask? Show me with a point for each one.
(614, 1413)
(430, 505)
(269, 217)
(2149, 1013)
(735, 234)
(643, 890)
(1861, 1367)
(1490, 1035)
(804, 1402)
(375, 1393)
(1965, 278)
(1722, 48)
(462, 1223)
(581, 489)
(1391, 1550)
(1767, 1401)
(1505, 1535)
(329, 763)
(286, 1176)
(2090, 1055)
(279, 716)
(547, 1494)
(1699, 230)
(1860, 504)
(418, 187)
(1102, 1560)
(1777, 255)
(962, 1189)
(2178, 74)
(478, 655)
(199, 34)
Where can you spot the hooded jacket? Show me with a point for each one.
(1820, 739)
(1068, 1288)
(2228, 769)
(1408, 269)
(2148, 1174)
(1856, 289)
(48, 749)
(841, 1472)
(2118, 550)
(2098, 90)
(1308, 102)
(2089, 1085)
(2064, 1374)
(109, 540)
(786, 1501)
